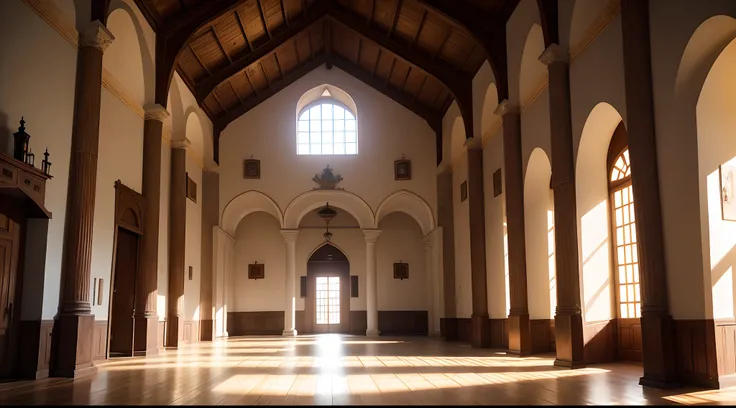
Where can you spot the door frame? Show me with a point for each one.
(129, 215)
(340, 266)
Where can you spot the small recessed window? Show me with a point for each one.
(326, 127)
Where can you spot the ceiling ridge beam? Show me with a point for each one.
(296, 28)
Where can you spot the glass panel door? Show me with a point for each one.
(328, 300)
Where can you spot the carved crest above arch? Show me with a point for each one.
(129, 206)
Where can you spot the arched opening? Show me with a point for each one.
(327, 297)
(326, 123)
(625, 255)
(540, 247)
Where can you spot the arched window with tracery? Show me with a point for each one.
(327, 126)
(626, 257)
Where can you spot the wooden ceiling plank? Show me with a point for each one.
(375, 65)
(250, 83)
(360, 45)
(260, 64)
(406, 77)
(395, 18)
(242, 30)
(263, 19)
(150, 13)
(296, 51)
(419, 91)
(419, 28)
(283, 12)
(372, 12)
(237, 95)
(219, 44)
(278, 65)
(311, 49)
(205, 87)
(442, 44)
(390, 72)
(200, 60)
(214, 94)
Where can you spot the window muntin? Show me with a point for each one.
(327, 128)
(625, 243)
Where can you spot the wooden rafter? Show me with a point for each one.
(237, 95)
(406, 78)
(390, 72)
(263, 70)
(395, 18)
(283, 12)
(419, 91)
(375, 66)
(311, 48)
(250, 83)
(242, 30)
(296, 52)
(360, 46)
(205, 87)
(263, 19)
(219, 44)
(219, 102)
(419, 28)
(148, 9)
(200, 60)
(372, 12)
(278, 64)
(442, 44)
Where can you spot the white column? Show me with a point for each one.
(371, 236)
(433, 260)
(222, 282)
(290, 293)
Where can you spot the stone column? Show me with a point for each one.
(480, 325)
(568, 317)
(657, 326)
(446, 220)
(371, 236)
(432, 251)
(177, 241)
(223, 244)
(74, 324)
(146, 318)
(210, 212)
(519, 326)
(290, 237)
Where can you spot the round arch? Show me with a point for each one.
(335, 93)
(531, 70)
(411, 204)
(457, 137)
(306, 202)
(247, 203)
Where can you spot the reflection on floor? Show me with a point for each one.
(334, 370)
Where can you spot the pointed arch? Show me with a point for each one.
(247, 203)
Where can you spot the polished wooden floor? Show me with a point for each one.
(337, 370)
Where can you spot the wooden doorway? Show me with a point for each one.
(327, 302)
(122, 309)
(11, 220)
(125, 288)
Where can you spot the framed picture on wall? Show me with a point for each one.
(728, 189)
(252, 169)
(402, 169)
(401, 270)
(256, 271)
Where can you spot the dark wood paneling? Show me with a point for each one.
(34, 352)
(403, 322)
(600, 342)
(696, 352)
(255, 323)
(499, 333)
(206, 329)
(300, 322)
(629, 340)
(540, 333)
(455, 329)
(359, 322)
(99, 340)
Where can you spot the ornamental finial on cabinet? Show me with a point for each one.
(46, 164)
(20, 142)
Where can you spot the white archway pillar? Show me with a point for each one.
(290, 236)
(371, 236)
(223, 253)
(433, 261)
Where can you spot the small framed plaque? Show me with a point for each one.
(252, 169)
(256, 271)
(401, 270)
(402, 169)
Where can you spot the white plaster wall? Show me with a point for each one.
(385, 132)
(496, 256)
(524, 17)
(401, 241)
(258, 239)
(193, 255)
(679, 69)
(27, 44)
(120, 157)
(535, 129)
(463, 282)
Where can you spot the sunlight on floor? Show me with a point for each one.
(705, 397)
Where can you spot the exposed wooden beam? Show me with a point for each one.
(260, 64)
(360, 46)
(296, 51)
(548, 11)
(375, 66)
(277, 86)
(406, 78)
(219, 44)
(242, 31)
(372, 12)
(250, 83)
(199, 60)
(283, 12)
(278, 64)
(311, 48)
(419, 29)
(390, 72)
(403, 99)
(219, 102)
(237, 95)
(183, 5)
(263, 19)
(442, 44)
(205, 87)
(395, 18)
(328, 43)
(150, 14)
(419, 91)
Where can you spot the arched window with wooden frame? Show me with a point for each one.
(625, 252)
(327, 127)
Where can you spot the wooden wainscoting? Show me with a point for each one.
(34, 352)
(499, 333)
(697, 352)
(358, 322)
(455, 328)
(542, 335)
(99, 341)
(255, 323)
(600, 341)
(725, 345)
(403, 322)
(206, 329)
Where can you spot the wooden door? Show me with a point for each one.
(9, 255)
(123, 296)
(328, 291)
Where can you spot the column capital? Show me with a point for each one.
(156, 112)
(96, 35)
(371, 235)
(555, 53)
(504, 107)
(472, 143)
(290, 235)
(181, 144)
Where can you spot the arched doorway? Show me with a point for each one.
(327, 301)
(625, 253)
